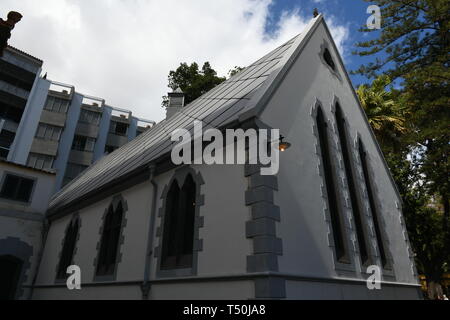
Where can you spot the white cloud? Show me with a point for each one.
(123, 50)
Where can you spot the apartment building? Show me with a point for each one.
(48, 125)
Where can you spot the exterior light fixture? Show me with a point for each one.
(283, 146)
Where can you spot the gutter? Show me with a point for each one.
(45, 231)
(146, 284)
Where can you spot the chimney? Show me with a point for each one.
(176, 102)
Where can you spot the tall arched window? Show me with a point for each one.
(349, 171)
(178, 237)
(331, 186)
(112, 227)
(68, 250)
(373, 207)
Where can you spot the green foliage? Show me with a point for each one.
(415, 37)
(234, 71)
(425, 221)
(413, 49)
(193, 81)
(386, 116)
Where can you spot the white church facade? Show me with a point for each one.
(140, 227)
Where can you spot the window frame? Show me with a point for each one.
(110, 275)
(330, 180)
(87, 117)
(177, 253)
(180, 176)
(48, 128)
(57, 102)
(110, 147)
(377, 219)
(334, 66)
(72, 166)
(6, 137)
(328, 58)
(357, 207)
(85, 142)
(113, 128)
(23, 177)
(61, 274)
(39, 157)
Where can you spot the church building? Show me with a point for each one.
(140, 227)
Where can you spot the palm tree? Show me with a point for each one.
(386, 115)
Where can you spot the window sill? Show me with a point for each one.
(82, 151)
(105, 278)
(17, 202)
(175, 273)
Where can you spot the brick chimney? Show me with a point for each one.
(176, 102)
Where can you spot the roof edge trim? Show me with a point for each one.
(272, 86)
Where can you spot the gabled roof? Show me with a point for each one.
(238, 98)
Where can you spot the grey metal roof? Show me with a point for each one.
(217, 108)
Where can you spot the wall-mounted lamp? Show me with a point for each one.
(283, 146)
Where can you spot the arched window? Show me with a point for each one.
(112, 226)
(178, 237)
(373, 207)
(11, 268)
(329, 59)
(349, 171)
(68, 250)
(331, 187)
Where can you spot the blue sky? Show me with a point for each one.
(350, 13)
(122, 51)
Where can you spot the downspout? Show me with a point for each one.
(146, 285)
(45, 231)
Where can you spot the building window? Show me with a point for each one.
(40, 161)
(68, 250)
(118, 128)
(372, 203)
(90, 117)
(17, 188)
(81, 143)
(11, 113)
(16, 76)
(329, 59)
(48, 132)
(6, 140)
(72, 171)
(109, 246)
(331, 187)
(56, 104)
(349, 171)
(178, 237)
(110, 149)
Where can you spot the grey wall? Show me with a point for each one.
(304, 228)
(224, 253)
(21, 224)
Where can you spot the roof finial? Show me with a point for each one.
(316, 13)
(6, 28)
